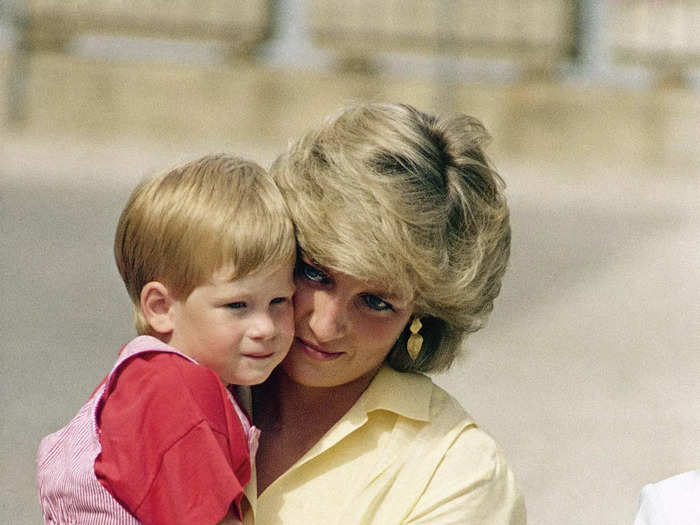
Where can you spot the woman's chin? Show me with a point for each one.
(322, 373)
(303, 373)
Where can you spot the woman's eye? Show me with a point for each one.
(237, 305)
(279, 300)
(312, 274)
(376, 303)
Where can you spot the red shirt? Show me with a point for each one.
(173, 448)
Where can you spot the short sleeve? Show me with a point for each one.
(674, 500)
(472, 484)
(173, 448)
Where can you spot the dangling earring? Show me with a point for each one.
(415, 341)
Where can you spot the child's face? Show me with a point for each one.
(240, 329)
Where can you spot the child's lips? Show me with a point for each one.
(260, 355)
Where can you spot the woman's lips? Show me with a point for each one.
(316, 353)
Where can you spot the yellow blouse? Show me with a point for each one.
(406, 452)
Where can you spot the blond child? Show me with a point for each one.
(206, 252)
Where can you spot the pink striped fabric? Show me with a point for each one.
(69, 492)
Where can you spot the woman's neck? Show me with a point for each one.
(283, 401)
(293, 417)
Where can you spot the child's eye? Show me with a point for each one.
(376, 303)
(311, 273)
(237, 305)
(279, 300)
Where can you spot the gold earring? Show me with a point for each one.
(415, 341)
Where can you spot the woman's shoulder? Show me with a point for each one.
(438, 418)
(443, 447)
(427, 410)
(416, 396)
(444, 405)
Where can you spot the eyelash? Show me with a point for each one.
(313, 274)
(237, 305)
(384, 306)
(306, 270)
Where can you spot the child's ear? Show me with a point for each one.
(156, 305)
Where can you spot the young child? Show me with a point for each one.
(206, 252)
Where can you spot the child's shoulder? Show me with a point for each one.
(169, 369)
(166, 380)
(146, 356)
(166, 367)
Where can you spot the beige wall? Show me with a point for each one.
(242, 102)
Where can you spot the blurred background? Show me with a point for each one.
(587, 373)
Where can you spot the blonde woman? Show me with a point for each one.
(404, 237)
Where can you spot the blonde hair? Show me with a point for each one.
(391, 195)
(183, 225)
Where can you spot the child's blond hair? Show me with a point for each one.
(183, 225)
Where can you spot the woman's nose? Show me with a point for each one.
(329, 319)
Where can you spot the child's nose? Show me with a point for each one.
(263, 327)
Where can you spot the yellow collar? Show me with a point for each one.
(406, 394)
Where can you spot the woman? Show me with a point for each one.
(404, 237)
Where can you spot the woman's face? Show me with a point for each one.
(344, 327)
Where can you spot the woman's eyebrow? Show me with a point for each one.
(309, 260)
